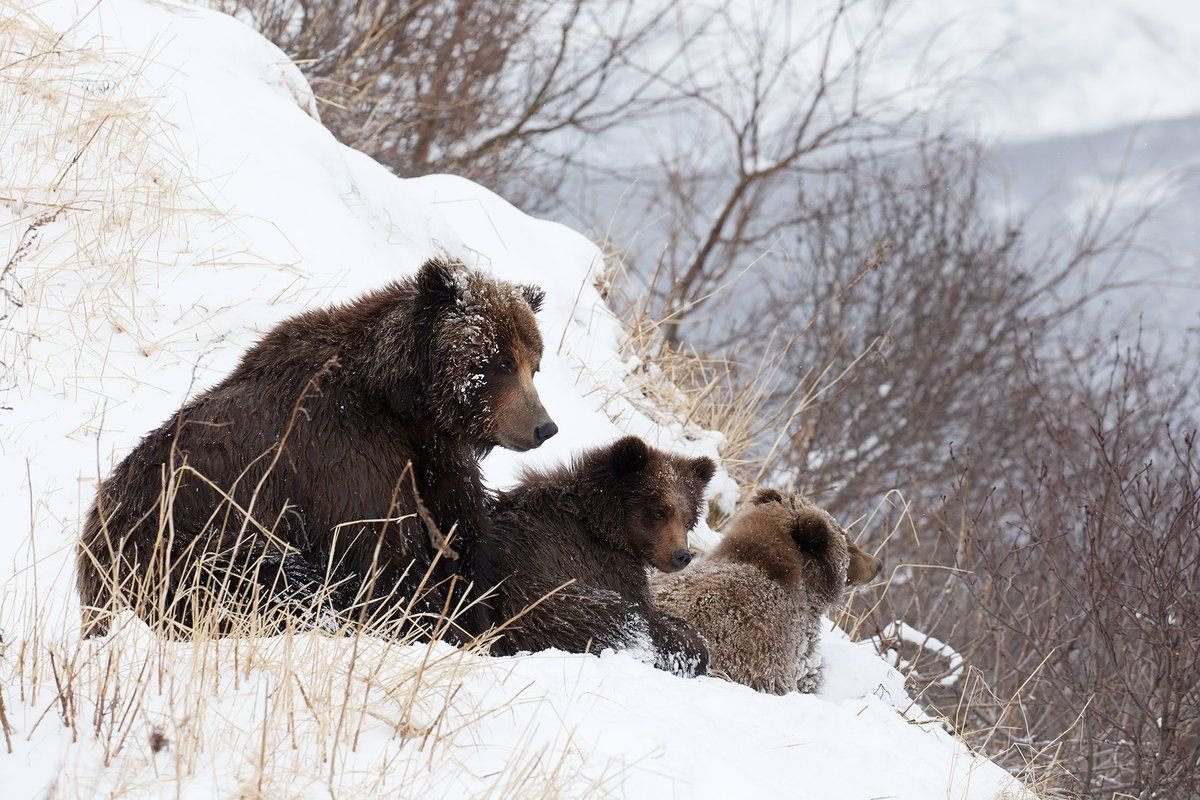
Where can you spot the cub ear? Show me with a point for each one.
(704, 468)
(436, 281)
(763, 496)
(813, 534)
(534, 295)
(629, 455)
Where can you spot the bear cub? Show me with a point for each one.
(572, 545)
(758, 597)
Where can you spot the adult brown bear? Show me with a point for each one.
(339, 453)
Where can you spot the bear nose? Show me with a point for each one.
(878, 567)
(683, 557)
(544, 431)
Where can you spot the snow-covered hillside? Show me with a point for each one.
(166, 195)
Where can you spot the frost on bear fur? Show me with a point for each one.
(759, 596)
(572, 545)
(340, 450)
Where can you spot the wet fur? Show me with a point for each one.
(320, 421)
(575, 524)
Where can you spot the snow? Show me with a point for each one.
(903, 632)
(167, 196)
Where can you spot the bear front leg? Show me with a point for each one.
(679, 648)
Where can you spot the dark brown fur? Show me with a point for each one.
(597, 524)
(313, 430)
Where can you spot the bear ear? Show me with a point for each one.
(629, 455)
(704, 468)
(534, 295)
(437, 282)
(763, 496)
(813, 535)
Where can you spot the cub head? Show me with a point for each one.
(482, 348)
(648, 499)
(791, 540)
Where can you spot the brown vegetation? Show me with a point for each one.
(872, 331)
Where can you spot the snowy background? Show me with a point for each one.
(1083, 100)
(168, 195)
(1079, 104)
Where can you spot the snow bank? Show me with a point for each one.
(168, 195)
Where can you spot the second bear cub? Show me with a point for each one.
(759, 596)
(595, 525)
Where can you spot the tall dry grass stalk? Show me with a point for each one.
(159, 714)
(260, 713)
(982, 715)
(312, 696)
(756, 407)
(253, 701)
(94, 182)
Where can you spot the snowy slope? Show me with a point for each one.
(166, 196)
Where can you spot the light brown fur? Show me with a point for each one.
(863, 568)
(759, 596)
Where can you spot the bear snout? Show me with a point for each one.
(682, 558)
(863, 567)
(544, 431)
(524, 423)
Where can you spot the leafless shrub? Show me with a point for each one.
(1087, 586)
(925, 356)
(958, 301)
(779, 100)
(1069, 585)
(472, 87)
(834, 290)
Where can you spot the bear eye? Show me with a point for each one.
(506, 366)
(660, 514)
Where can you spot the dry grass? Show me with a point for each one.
(262, 716)
(251, 701)
(93, 200)
(97, 208)
(725, 397)
(929, 670)
(737, 402)
(759, 409)
(264, 713)
(93, 179)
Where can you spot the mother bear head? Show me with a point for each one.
(462, 348)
